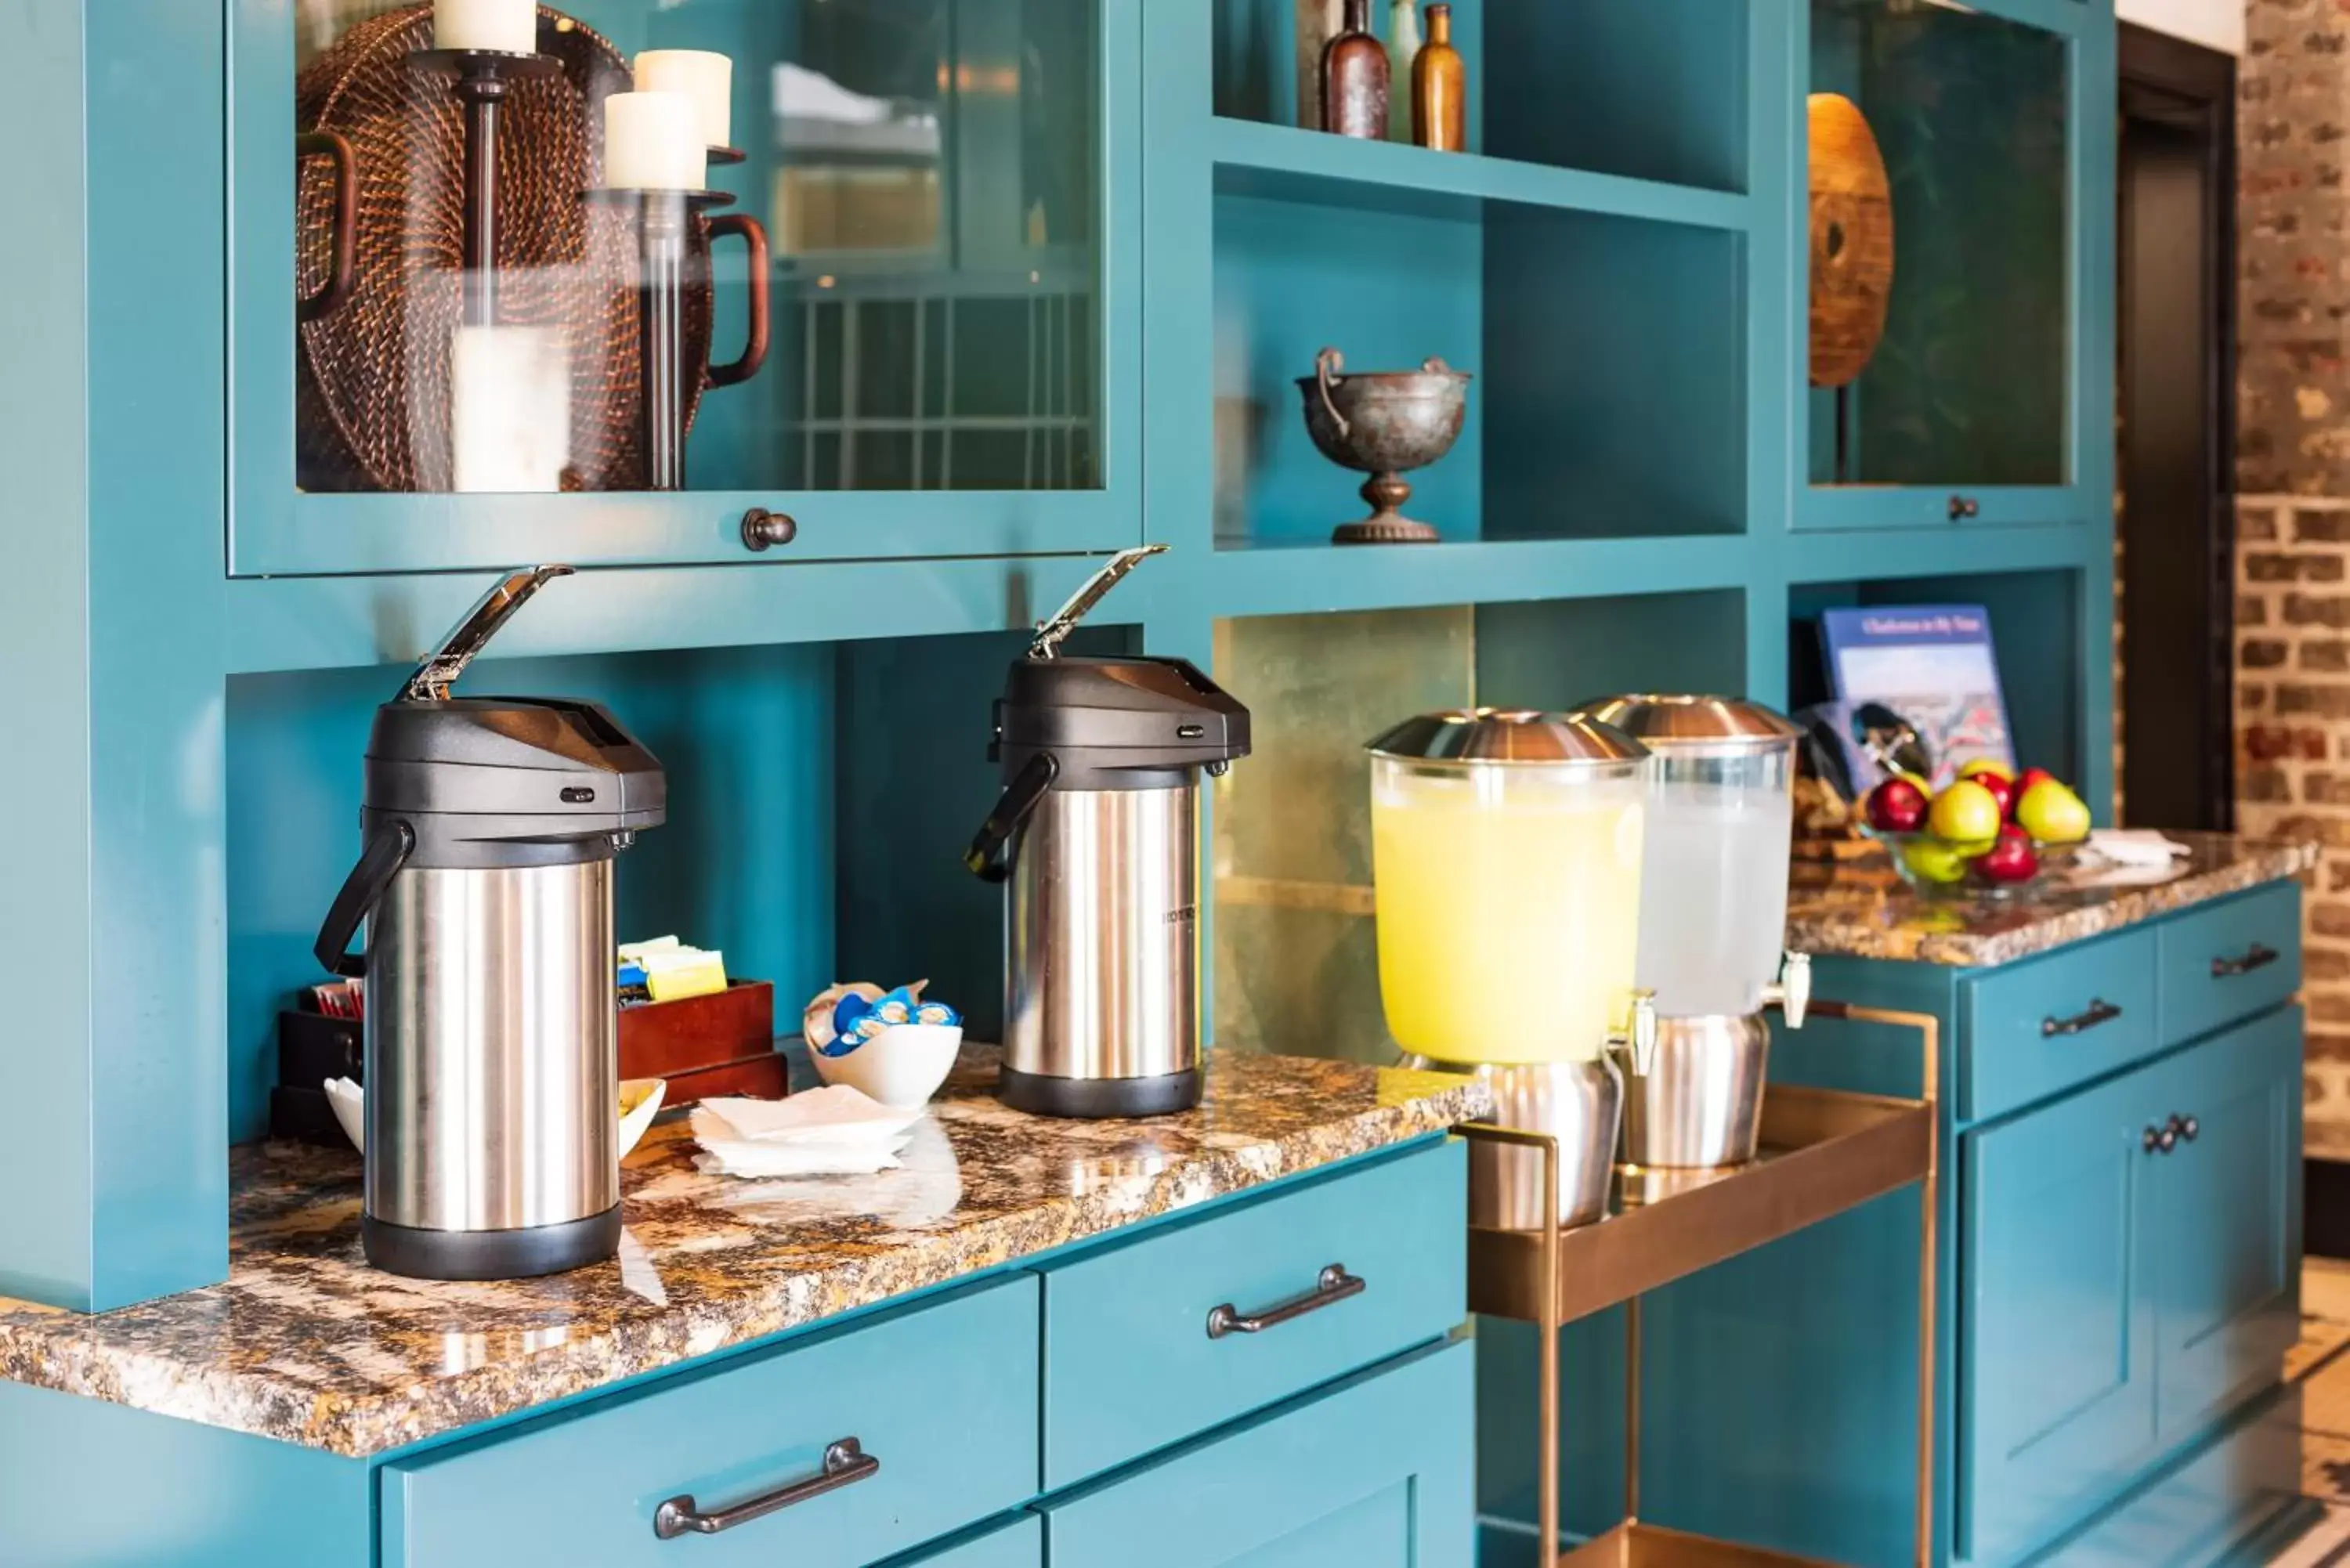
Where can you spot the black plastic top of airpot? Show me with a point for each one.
(1129, 722)
(510, 780)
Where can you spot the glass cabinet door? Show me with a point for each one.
(594, 281)
(1941, 249)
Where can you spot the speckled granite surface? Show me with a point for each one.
(306, 1343)
(1860, 914)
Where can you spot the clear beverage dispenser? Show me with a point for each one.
(1713, 920)
(1506, 850)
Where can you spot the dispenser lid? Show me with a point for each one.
(1662, 721)
(1158, 713)
(1508, 735)
(518, 768)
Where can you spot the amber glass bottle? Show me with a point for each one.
(1440, 87)
(1354, 78)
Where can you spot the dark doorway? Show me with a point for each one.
(2175, 459)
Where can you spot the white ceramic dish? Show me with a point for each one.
(640, 1102)
(901, 1066)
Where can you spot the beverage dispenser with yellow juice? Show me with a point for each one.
(1506, 850)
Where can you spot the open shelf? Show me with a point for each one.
(1822, 1153)
(1649, 90)
(1285, 162)
(1653, 1546)
(1275, 577)
(1608, 354)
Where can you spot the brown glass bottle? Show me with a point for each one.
(1440, 87)
(1354, 78)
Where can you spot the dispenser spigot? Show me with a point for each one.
(1793, 992)
(1640, 1045)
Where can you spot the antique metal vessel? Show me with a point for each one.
(1384, 423)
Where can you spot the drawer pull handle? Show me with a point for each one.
(2100, 1012)
(846, 1463)
(1334, 1284)
(2259, 956)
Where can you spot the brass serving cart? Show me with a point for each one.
(1823, 1153)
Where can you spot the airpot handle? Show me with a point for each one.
(990, 854)
(441, 668)
(1051, 634)
(388, 849)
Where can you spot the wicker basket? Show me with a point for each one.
(371, 404)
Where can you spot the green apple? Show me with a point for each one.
(2051, 813)
(1965, 812)
(1933, 861)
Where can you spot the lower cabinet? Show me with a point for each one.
(1378, 1473)
(2133, 1263)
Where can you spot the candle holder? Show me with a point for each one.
(662, 217)
(480, 79)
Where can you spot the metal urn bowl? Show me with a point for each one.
(1384, 423)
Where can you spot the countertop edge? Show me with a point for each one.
(36, 1355)
(1836, 934)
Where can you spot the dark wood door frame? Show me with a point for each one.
(2176, 461)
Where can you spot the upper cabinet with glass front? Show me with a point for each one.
(1956, 219)
(605, 281)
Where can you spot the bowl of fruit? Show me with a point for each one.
(1987, 834)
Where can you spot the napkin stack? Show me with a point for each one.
(832, 1131)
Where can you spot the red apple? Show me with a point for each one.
(2003, 790)
(1896, 805)
(2009, 860)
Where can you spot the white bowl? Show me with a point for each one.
(901, 1066)
(640, 1102)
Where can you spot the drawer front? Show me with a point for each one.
(941, 1398)
(1020, 1544)
(2035, 1028)
(1379, 1473)
(2228, 960)
(1131, 1363)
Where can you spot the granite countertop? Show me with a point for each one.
(306, 1345)
(1860, 910)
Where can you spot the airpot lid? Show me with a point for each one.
(542, 767)
(1672, 721)
(1508, 735)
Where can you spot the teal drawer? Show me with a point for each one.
(1131, 1363)
(1378, 1473)
(2228, 960)
(942, 1397)
(2034, 1029)
(1020, 1544)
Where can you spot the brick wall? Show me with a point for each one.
(2292, 560)
(2292, 750)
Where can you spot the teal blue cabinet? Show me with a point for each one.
(1984, 402)
(2225, 1243)
(932, 226)
(1379, 1474)
(2057, 1377)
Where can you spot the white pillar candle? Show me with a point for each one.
(509, 409)
(508, 25)
(652, 141)
(707, 76)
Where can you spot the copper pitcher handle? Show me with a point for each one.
(754, 236)
(1328, 366)
(342, 265)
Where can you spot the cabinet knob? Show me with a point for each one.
(764, 530)
(2160, 1140)
(2185, 1128)
(1964, 507)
